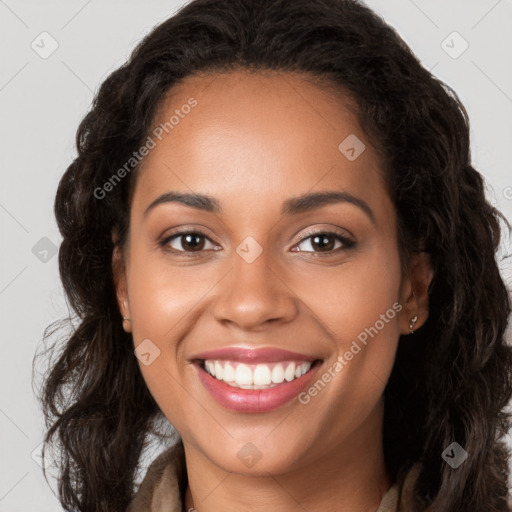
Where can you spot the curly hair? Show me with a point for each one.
(451, 381)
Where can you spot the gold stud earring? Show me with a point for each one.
(414, 319)
(126, 324)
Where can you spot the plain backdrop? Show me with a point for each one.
(43, 97)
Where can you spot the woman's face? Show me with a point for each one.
(266, 264)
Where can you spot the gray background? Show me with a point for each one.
(42, 101)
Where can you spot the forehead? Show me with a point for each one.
(269, 133)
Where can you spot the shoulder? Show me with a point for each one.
(407, 483)
(162, 488)
(400, 496)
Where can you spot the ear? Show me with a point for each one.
(414, 292)
(120, 282)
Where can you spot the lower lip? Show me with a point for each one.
(255, 400)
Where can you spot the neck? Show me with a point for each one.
(348, 477)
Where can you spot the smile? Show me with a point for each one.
(256, 376)
(255, 380)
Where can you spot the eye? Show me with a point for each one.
(187, 241)
(324, 242)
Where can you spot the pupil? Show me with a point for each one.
(323, 242)
(193, 241)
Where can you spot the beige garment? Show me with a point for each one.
(164, 485)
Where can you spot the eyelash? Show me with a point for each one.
(346, 242)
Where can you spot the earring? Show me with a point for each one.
(414, 319)
(126, 324)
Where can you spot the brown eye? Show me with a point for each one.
(187, 242)
(324, 242)
(192, 242)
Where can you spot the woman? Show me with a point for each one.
(273, 238)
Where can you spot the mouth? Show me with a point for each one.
(255, 380)
(255, 376)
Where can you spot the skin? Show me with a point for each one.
(252, 142)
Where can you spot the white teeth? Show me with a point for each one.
(260, 376)
(218, 370)
(228, 373)
(289, 373)
(278, 374)
(243, 375)
(210, 366)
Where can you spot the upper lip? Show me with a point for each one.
(253, 355)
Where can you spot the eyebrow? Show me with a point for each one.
(292, 206)
(314, 200)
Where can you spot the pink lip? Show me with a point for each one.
(255, 400)
(259, 355)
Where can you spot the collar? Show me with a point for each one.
(165, 483)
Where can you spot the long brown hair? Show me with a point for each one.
(451, 380)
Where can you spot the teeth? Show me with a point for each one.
(302, 369)
(228, 373)
(262, 375)
(259, 376)
(210, 367)
(218, 370)
(289, 373)
(278, 374)
(243, 374)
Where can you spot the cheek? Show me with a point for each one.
(358, 305)
(352, 297)
(163, 303)
(164, 297)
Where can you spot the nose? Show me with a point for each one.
(253, 295)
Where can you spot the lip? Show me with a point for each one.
(253, 355)
(255, 400)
